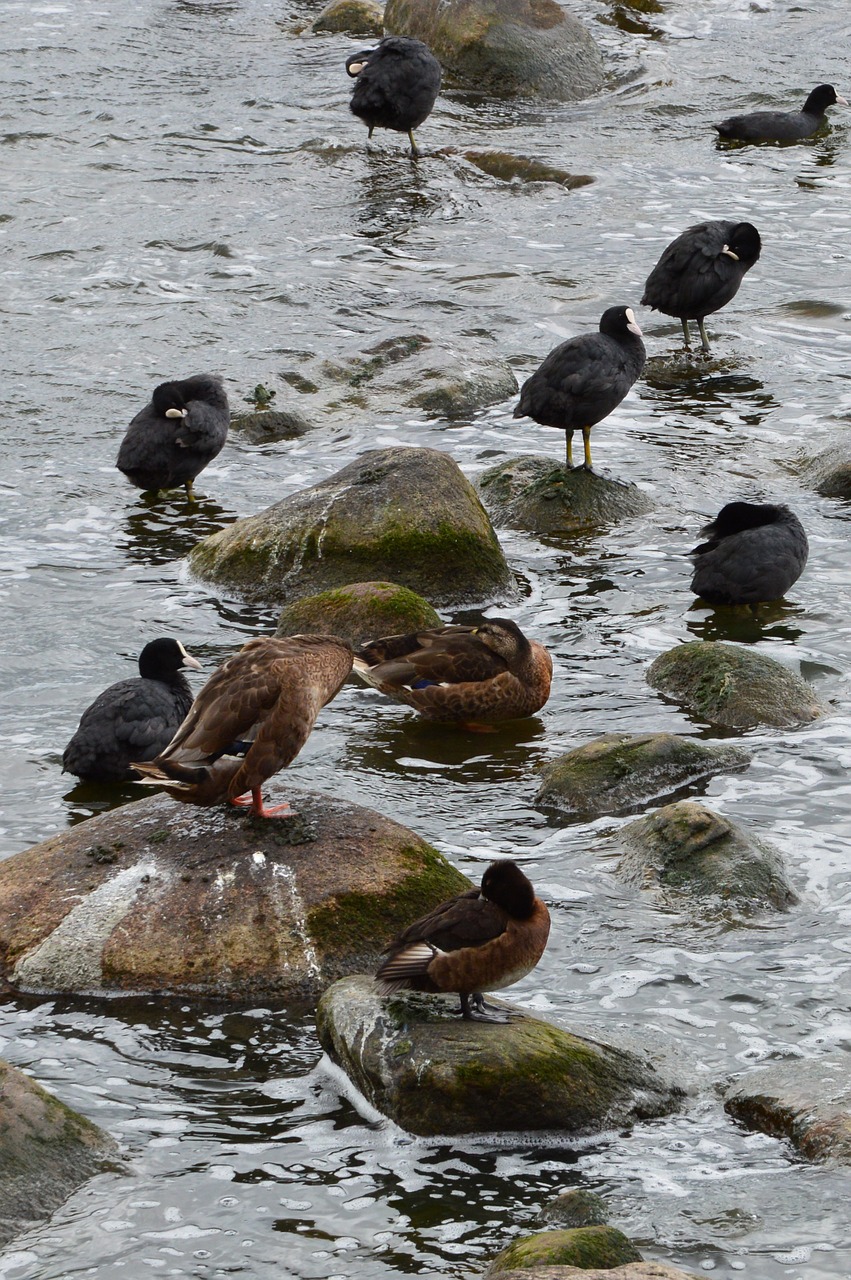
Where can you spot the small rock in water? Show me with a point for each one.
(539, 496)
(356, 17)
(576, 1208)
(510, 168)
(584, 1247)
(807, 1102)
(359, 611)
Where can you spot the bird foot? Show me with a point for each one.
(254, 801)
(583, 466)
(481, 1011)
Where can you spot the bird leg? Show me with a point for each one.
(414, 148)
(586, 440)
(255, 803)
(190, 492)
(703, 338)
(684, 323)
(479, 1005)
(569, 438)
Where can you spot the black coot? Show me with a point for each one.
(134, 719)
(701, 271)
(782, 126)
(584, 379)
(173, 438)
(754, 554)
(396, 85)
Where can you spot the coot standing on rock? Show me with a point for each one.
(483, 940)
(701, 271)
(396, 85)
(754, 554)
(133, 719)
(172, 439)
(584, 379)
(782, 126)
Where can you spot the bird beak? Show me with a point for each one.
(188, 660)
(729, 253)
(632, 323)
(842, 101)
(176, 413)
(355, 68)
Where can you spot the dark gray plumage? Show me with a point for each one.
(173, 438)
(396, 85)
(754, 554)
(133, 719)
(782, 126)
(581, 381)
(701, 271)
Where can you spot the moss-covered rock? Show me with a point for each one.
(46, 1151)
(420, 1063)
(584, 1247)
(358, 612)
(529, 47)
(360, 17)
(807, 1102)
(576, 1208)
(522, 169)
(162, 896)
(539, 496)
(620, 771)
(829, 472)
(687, 850)
(734, 686)
(406, 515)
(268, 426)
(630, 1271)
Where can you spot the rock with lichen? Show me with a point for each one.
(357, 17)
(407, 515)
(600, 1247)
(539, 496)
(432, 1072)
(695, 856)
(46, 1152)
(734, 685)
(159, 896)
(576, 1208)
(359, 611)
(620, 771)
(807, 1102)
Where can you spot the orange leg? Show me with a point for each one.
(256, 804)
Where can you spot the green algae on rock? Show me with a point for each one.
(512, 168)
(359, 611)
(620, 771)
(687, 849)
(358, 17)
(407, 515)
(584, 1247)
(630, 1271)
(214, 903)
(419, 1063)
(807, 1102)
(734, 686)
(576, 1208)
(539, 496)
(46, 1152)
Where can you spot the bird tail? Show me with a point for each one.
(157, 772)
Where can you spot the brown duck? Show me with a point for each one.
(251, 719)
(470, 675)
(483, 940)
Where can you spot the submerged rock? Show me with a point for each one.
(829, 472)
(583, 1247)
(539, 496)
(46, 1152)
(358, 612)
(533, 48)
(360, 17)
(512, 168)
(619, 771)
(407, 515)
(734, 686)
(807, 1102)
(576, 1208)
(431, 1072)
(159, 896)
(688, 850)
(630, 1271)
(267, 426)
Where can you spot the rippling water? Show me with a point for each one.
(186, 190)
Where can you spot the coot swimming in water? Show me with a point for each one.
(701, 271)
(581, 381)
(754, 554)
(172, 439)
(251, 719)
(483, 940)
(134, 719)
(782, 126)
(396, 85)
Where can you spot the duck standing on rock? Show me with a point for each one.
(700, 272)
(173, 438)
(782, 126)
(251, 719)
(396, 85)
(470, 676)
(581, 381)
(483, 940)
(133, 719)
(755, 552)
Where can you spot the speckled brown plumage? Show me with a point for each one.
(251, 719)
(473, 675)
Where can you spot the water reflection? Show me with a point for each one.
(161, 529)
(396, 194)
(87, 799)
(746, 624)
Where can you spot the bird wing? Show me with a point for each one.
(466, 921)
(459, 659)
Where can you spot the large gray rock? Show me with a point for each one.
(163, 896)
(829, 472)
(358, 612)
(539, 496)
(630, 1271)
(405, 515)
(619, 771)
(807, 1102)
(422, 1065)
(600, 1247)
(534, 48)
(734, 686)
(46, 1152)
(694, 854)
